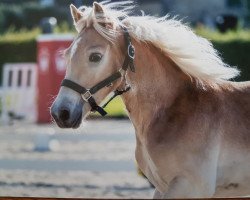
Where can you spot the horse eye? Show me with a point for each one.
(95, 57)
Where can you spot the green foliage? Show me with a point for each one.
(17, 47)
(234, 48)
(63, 27)
(13, 36)
(29, 15)
(240, 35)
(115, 108)
(10, 16)
(236, 53)
(34, 13)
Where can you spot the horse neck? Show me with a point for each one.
(155, 85)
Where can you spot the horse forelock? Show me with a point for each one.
(194, 55)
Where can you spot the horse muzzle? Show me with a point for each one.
(67, 115)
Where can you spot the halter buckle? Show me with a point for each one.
(86, 96)
(131, 51)
(122, 72)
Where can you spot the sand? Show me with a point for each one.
(96, 160)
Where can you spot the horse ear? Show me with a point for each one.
(76, 14)
(97, 8)
(99, 13)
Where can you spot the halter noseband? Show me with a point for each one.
(86, 94)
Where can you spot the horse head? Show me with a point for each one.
(97, 52)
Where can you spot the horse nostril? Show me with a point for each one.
(64, 115)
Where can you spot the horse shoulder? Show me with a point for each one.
(178, 137)
(193, 112)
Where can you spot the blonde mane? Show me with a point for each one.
(194, 55)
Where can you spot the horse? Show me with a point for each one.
(191, 121)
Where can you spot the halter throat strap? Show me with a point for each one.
(86, 94)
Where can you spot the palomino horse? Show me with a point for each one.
(192, 125)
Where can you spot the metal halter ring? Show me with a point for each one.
(86, 96)
(131, 51)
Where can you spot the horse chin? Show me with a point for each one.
(71, 124)
(77, 123)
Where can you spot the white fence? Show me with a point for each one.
(18, 94)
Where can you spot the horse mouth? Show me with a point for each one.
(69, 124)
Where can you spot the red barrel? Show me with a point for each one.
(51, 71)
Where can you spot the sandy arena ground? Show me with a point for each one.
(96, 160)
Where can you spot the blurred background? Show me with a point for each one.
(96, 160)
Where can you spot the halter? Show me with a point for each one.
(87, 94)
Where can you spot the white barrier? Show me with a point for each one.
(18, 93)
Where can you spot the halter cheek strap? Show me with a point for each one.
(86, 94)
